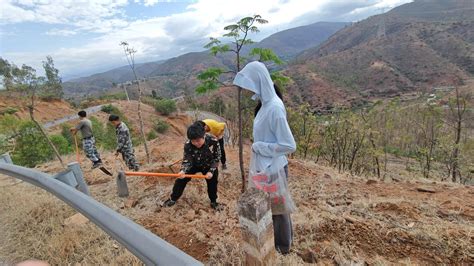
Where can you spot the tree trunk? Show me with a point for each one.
(456, 150)
(51, 144)
(142, 132)
(308, 139)
(241, 146)
(376, 158)
(126, 92)
(458, 138)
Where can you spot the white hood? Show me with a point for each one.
(255, 78)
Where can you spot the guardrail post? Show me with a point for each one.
(148, 247)
(255, 217)
(5, 158)
(67, 177)
(81, 183)
(122, 186)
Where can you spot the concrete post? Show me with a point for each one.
(68, 178)
(122, 186)
(5, 158)
(255, 217)
(81, 183)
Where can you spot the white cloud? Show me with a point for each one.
(61, 32)
(168, 36)
(95, 14)
(154, 2)
(150, 2)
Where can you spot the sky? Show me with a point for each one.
(83, 37)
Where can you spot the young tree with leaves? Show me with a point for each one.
(130, 54)
(33, 83)
(211, 78)
(52, 88)
(6, 72)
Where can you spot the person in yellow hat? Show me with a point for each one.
(216, 129)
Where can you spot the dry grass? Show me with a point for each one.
(341, 218)
(381, 215)
(32, 228)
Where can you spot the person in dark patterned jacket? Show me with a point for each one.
(201, 154)
(124, 142)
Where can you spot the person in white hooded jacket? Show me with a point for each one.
(272, 136)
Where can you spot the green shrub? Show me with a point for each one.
(5, 144)
(161, 126)
(65, 133)
(104, 135)
(149, 101)
(155, 95)
(31, 148)
(114, 96)
(151, 135)
(48, 97)
(61, 144)
(110, 109)
(9, 124)
(165, 106)
(9, 111)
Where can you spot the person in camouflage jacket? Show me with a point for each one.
(202, 154)
(124, 142)
(88, 141)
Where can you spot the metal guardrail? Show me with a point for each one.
(148, 247)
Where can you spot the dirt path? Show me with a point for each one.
(199, 115)
(90, 110)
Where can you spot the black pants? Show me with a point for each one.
(221, 143)
(283, 232)
(180, 184)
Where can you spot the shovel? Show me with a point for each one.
(171, 165)
(105, 171)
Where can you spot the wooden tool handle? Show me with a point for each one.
(162, 174)
(77, 149)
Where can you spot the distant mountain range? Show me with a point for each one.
(416, 46)
(286, 44)
(411, 48)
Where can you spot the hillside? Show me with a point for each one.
(97, 83)
(341, 219)
(177, 74)
(289, 43)
(416, 46)
(45, 111)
